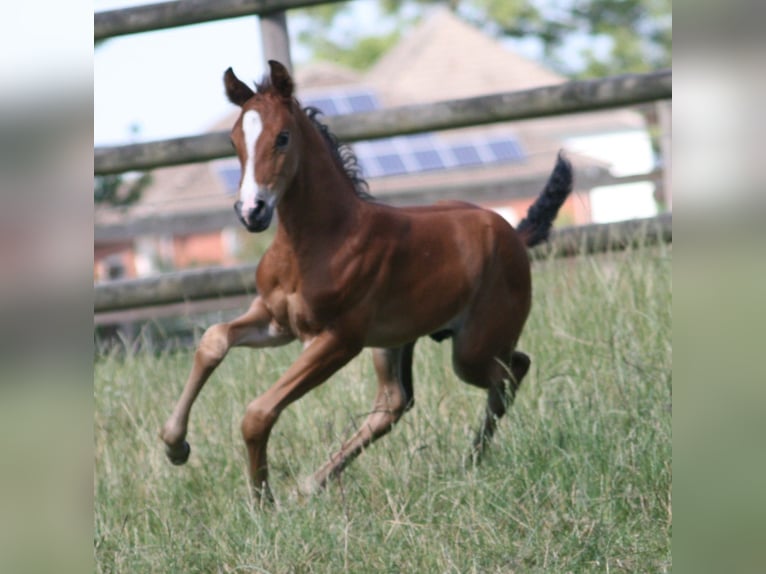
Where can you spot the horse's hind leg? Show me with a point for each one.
(504, 383)
(395, 396)
(254, 329)
(483, 356)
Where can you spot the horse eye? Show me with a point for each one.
(283, 138)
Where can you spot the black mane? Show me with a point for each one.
(343, 154)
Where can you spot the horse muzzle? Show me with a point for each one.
(257, 218)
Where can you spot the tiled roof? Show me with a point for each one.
(445, 58)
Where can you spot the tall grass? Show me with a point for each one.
(577, 479)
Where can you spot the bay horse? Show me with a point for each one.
(345, 272)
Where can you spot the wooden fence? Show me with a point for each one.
(163, 15)
(566, 98)
(222, 282)
(213, 283)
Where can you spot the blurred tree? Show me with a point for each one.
(360, 55)
(578, 38)
(116, 191)
(120, 191)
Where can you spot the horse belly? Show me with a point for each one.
(432, 278)
(403, 319)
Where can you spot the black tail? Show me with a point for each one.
(534, 228)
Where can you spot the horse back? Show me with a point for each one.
(433, 263)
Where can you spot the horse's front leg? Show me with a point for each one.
(322, 357)
(255, 328)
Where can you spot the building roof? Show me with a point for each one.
(439, 59)
(445, 58)
(321, 74)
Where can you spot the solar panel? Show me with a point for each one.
(326, 105)
(391, 164)
(362, 103)
(466, 155)
(335, 103)
(407, 154)
(428, 160)
(425, 152)
(506, 150)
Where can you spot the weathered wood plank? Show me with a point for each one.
(567, 98)
(184, 309)
(275, 39)
(600, 237)
(163, 15)
(193, 285)
(560, 99)
(217, 282)
(177, 151)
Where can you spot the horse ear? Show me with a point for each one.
(281, 80)
(236, 90)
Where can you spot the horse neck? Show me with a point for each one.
(321, 200)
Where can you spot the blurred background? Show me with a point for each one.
(59, 90)
(357, 57)
(46, 339)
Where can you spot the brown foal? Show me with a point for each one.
(345, 272)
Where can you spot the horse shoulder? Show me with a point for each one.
(275, 280)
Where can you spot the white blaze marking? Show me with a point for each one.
(252, 127)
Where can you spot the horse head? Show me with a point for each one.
(265, 137)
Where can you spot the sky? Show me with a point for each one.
(55, 52)
(169, 83)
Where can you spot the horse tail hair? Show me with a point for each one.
(536, 226)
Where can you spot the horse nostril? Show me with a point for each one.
(238, 207)
(259, 205)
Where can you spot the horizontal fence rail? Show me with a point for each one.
(163, 15)
(193, 285)
(218, 282)
(602, 237)
(560, 99)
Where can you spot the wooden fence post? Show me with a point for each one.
(275, 39)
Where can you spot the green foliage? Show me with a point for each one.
(118, 190)
(578, 478)
(115, 190)
(346, 46)
(361, 55)
(623, 35)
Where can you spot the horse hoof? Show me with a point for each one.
(178, 455)
(310, 486)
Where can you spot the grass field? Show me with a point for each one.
(578, 478)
